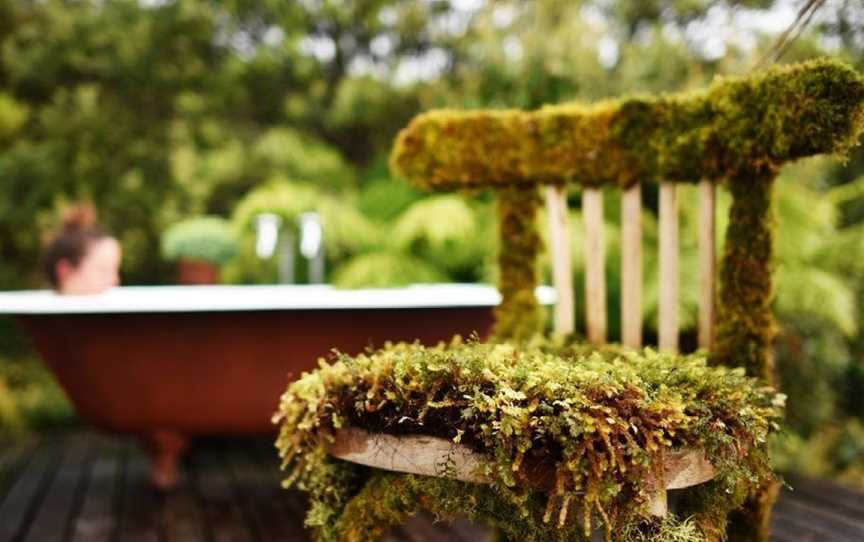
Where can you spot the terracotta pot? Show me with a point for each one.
(197, 272)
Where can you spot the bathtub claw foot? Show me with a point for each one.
(166, 448)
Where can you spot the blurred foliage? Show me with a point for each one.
(834, 450)
(447, 230)
(30, 398)
(383, 269)
(347, 232)
(158, 111)
(383, 200)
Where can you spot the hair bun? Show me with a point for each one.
(79, 217)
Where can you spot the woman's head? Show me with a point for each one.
(81, 257)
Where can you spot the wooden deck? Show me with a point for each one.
(85, 487)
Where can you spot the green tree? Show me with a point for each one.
(101, 83)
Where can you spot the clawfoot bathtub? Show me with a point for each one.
(169, 363)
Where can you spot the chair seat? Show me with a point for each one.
(432, 456)
(607, 424)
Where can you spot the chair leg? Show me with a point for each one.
(657, 504)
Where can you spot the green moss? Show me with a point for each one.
(737, 124)
(745, 324)
(601, 421)
(30, 398)
(519, 316)
(751, 521)
(389, 499)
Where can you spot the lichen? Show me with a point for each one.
(599, 421)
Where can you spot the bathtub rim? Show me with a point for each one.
(247, 298)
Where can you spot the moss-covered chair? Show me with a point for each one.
(543, 437)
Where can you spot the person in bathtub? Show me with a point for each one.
(81, 258)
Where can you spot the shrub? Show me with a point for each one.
(385, 269)
(30, 398)
(207, 238)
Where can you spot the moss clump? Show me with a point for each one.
(745, 324)
(600, 421)
(388, 499)
(779, 115)
(519, 316)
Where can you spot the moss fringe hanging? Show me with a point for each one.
(519, 316)
(388, 500)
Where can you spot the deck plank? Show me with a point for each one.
(292, 505)
(821, 492)
(225, 519)
(97, 519)
(56, 513)
(276, 513)
(827, 520)
(89, 488)
(804, 528)
(14, 457)
(26, 493)
(139, 502)
(182, 515)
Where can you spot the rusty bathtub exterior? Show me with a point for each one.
(169, 363)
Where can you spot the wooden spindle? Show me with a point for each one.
(658, 504)
(707, 263)
(559, 246)
(631, 267)
(668, 310)
(595, 279)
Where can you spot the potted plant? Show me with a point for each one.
(200, 246)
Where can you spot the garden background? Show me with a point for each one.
(159, 110)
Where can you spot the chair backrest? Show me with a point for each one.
(631, 265)
(737, 133)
